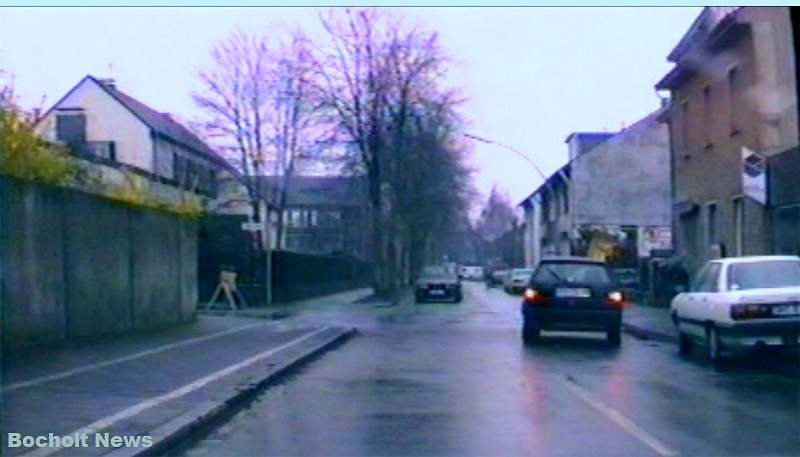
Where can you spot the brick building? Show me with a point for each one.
(732, 94)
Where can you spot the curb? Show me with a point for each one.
(177, 430)
(648, 334)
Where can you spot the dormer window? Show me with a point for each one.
(71, 127)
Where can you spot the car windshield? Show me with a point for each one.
(572, 272)
(525, 273)
(435, 273)
(764, 275)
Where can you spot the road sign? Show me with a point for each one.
(754, 175)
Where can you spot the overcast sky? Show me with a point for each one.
(532, 75)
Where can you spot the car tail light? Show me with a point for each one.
(615, 299)
(532, 296)
(750, 311)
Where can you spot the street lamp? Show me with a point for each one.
(535, 255)
(514, 150)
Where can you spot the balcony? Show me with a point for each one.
(102, 149)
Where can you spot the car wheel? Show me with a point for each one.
(713, 345)
(530, 333)
(614, 337)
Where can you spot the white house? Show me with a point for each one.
(104, 125)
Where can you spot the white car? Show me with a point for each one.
(739, 303)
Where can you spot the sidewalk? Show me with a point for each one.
(649, 322)
(162, 384)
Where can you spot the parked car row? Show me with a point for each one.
(734, 305)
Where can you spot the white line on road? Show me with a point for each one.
(94, 366)
(177, 393)
(617, 417)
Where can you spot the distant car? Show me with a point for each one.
(517, 280)
(437, 283)
(474, 273)
(572, 294)
(497, 277)
(738, 303)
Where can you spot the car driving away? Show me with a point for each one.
(437, 283)
(517, 280)
(740, 303)
(572, 294)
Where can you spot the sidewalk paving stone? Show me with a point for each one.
(61, 390)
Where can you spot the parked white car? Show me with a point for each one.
(739, 303)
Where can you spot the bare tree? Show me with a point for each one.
(299, 127)
(497, 216)
(381, 79)
(263, 107)
(235, 96)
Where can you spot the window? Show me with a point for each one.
(734, 91)
(764, 275)
(564, 200)
(707, 116)
(684, 123)
(71, 129)
(738, 225)
(707, 279)
(581, 273)
(711, 224)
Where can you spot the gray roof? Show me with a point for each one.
(321, 190)
(160, 122)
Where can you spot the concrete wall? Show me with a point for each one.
(625, 180)
(78, 265)
(106, 120)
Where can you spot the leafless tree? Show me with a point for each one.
(263, 107)
(496, 217)
(381, 77)
(235, 97)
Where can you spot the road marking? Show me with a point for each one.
(177, 393)
(137, 355)
(617, 417)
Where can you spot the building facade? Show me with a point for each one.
(733, 105)
(105, 126)
(325, 215)
(611, 201)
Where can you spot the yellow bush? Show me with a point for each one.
(24, 155)
(136, 192)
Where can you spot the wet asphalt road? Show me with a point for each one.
(455, 380)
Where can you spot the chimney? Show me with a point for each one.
(109, 83)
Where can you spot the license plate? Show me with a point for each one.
(573, 293)
(786, 310)
(436, 292)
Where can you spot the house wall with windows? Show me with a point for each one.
(104, 125)
(105, 121)
(733, 86)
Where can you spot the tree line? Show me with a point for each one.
(365, 98)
